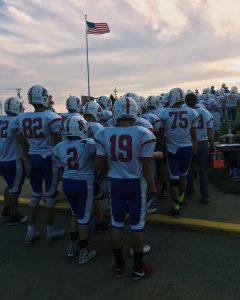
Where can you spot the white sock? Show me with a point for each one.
(50, 228)
(31, 229)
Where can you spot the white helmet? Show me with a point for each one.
(94, 109)
(76, 126)
(105, 102)
(165, 100)
(125, 107)
(234, 90)
(37, 94)
(74, 103)
(13, 105)
(152, 101)
(106, 115)
(138, 100)
(176, 95)
(142, 101)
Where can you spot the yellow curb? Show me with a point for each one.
(25, 201)
(193, 224)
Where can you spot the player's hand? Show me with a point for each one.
(158, 154)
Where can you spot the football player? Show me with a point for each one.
(11, 163)
(126, 151)
(74, 108)
(76, 154)
(204, 136)
(92, 113)
(41, 130)
(180, 125)
(105, 102)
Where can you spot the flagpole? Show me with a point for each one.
(87, 59)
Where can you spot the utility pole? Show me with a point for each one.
(115, 93)
(19, 93)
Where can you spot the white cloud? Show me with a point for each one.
(153, 45)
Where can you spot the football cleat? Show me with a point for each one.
(85, 255)
(148, 270)
(73, 248)
(32, 236)
(53, 234)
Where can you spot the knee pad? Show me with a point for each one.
(34, 202)
(50, 202)
(174, 182)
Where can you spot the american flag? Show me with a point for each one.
(97, 28)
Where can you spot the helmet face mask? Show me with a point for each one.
(73, 103)
(38, 95)
(76, 127)
(125, 108)
(13, 106)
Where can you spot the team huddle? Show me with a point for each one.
(107, 154)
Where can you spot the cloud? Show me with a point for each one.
(152, 46)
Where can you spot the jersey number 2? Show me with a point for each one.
(124, 143)
(3, 129)
(72, 157)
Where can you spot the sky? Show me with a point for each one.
(153, 45)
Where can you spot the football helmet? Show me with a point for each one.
(135, 97)
(74, 103)
(75, 126)
(13, 105)
(176, 95)
(152, 101)
(234, 90)
(37, 94)
(125, 107)
(106, 115)
(105, 102)
(94, 109)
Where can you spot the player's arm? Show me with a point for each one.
(24, 144)
(193, 132)
(210, 138)
(101, 164)
(148, 175)
(161, 138)
(55, 126)
(56, 137)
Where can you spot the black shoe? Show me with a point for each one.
(205, 200)
(181, 205)
(102, 226)
(175, 213)
(17, 219)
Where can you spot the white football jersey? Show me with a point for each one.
(216, 120)
(77, 158)
(110, 122)
(36, 127)
(10, 149)
(94, 127)
(205, 122)
(232, 100)
(124, 147)
(154, 120)
(144, 123)
(177, 123)
(65, 116)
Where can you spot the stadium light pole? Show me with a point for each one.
(87, 60)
